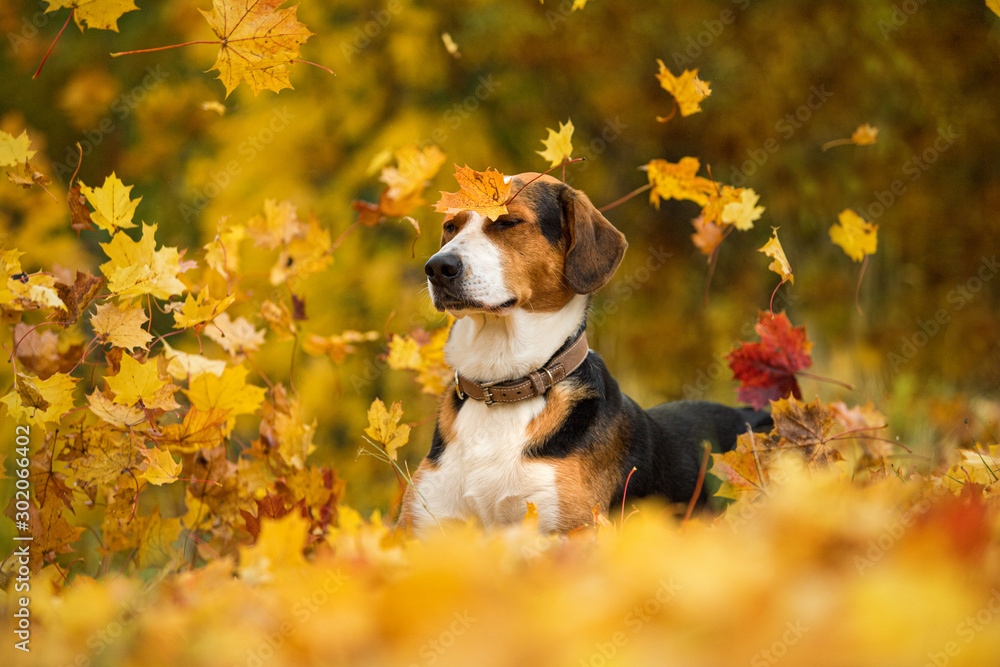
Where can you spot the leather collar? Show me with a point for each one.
(535, 383)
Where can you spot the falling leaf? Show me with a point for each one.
(865, 135)
(337, 346)
(450, 45)
(122, 327)
(994, 5)
(854, 235)
(406, 181)
(743, 214)
(214, 105)
(135, 382)
(229, 393)
(237, 336)
(182, 365)
(14, 150)
(160, 466)
(384, 427)
(40, 401)
(197, 310)
(285, 428)
(766, 370)
(77, 297)
(687, 89)
(259, 42)
(558, 145)
(79, 214)
(678, 180)
(484, 192)
(136, 267)
(102, 14)
(707, 235)
(121, 416)
(780, 265)
(112, 207)
(404, 353)
(199, 430)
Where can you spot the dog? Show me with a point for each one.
(534, 416)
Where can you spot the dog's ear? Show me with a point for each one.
(595, 247)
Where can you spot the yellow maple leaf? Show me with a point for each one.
(235, 336)
(135, 381)
(122, 327)
(40, 401)
(112, 207)
(259, 42)
(103, 14)
(160, 466)
(484, 192)
(412, 173)
(780, 264)
(222, 253)
(865, 135)
(229, 392)
(280, 318)
(994, 5)
(678, 180)
(200, 309)
(278, 548)
(339, 345)
(578, 4)
(278, 226)
(137, 267)
(856, 237)
(687, 89)
(384, 427)
(558, 145)
(284, 426)
(303, 256)
(14, 150)
(182, 365)
(404, 353)
(122, 416)
(743, 213)
(156, 536)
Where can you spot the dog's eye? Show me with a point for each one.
(449, 228)
(506, 223)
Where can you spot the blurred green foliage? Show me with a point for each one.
(788, 74)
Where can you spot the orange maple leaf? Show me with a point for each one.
(484, 192)
(259, 41)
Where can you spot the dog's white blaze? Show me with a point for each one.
(483, 278)
(491, 348)
(483, 473)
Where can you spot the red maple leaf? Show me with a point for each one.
(766, 370)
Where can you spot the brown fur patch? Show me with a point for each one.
(533, 266)
(559, 401)
(447, 413)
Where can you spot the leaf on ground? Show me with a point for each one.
(780, 264)
(484, 192)
(122, 327)
(687, 89)
(384, 427)
(805, 425)
(766, 370)
(738, 469)
(854, 235)
(259, 42)
(102, 14)
(558, 145)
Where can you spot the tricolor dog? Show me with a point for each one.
(534, 416)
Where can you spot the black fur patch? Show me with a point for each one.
(550, 213)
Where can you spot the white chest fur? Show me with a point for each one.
(483, 473)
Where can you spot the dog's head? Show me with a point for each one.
(550, 245)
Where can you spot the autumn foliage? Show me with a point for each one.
(221, 369)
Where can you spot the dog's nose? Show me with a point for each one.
(443, 268)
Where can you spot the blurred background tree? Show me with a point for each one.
(786, 76)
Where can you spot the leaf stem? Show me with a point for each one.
(857, 290)
(164, 48)
(622, 200)
(46, 57)
(625, 494)
(323, 67)
(836, 142)
(701, 482)
(820, 378)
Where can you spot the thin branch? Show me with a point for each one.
(39, 70)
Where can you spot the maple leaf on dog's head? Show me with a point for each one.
(103, 14)
(766, 370)
(259, 41)
(484, 192)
